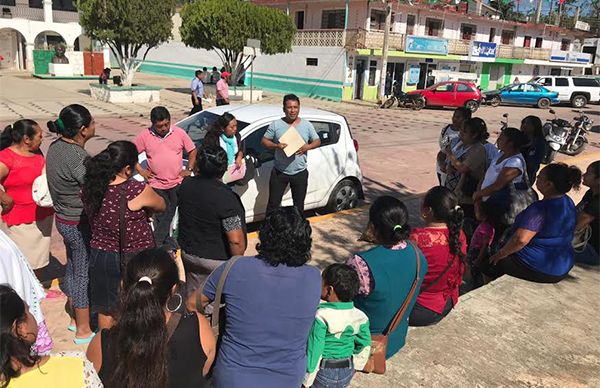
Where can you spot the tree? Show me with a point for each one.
(505, 7)
(225, 25)
(128, 27)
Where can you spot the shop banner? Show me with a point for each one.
(426, 45)
(483, 50)
(413, 75)
(570, 56)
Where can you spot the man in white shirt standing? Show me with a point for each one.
(198, 92)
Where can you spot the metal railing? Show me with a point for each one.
(37, 14)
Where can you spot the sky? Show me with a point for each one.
(526, 5)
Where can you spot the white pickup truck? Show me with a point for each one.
(577, 91)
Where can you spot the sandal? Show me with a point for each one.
(84, 341)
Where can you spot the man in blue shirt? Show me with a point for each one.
(197, 92)
(289, 170)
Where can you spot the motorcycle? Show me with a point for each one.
(564, 137)
(405, 100)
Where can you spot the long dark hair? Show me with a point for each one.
(102, 169)
(536, 123)
(15, 133)
(444, 206)
(563, 177)
(141, 330)
(389, 218)
(478, 128)
(515, 137)
(211, 162)
(12, 346)
(222, 122)
(70, 120)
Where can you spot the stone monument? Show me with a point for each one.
(60, 65)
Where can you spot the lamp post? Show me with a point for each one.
(384, 51)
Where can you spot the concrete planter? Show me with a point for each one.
(122, 94)
(242, 93)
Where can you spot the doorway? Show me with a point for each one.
(395, 72)
(426, 78)
(496, 77)
(359, 82)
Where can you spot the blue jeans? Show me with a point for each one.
(589, 256)
(333, 377)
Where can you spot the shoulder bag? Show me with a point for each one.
(376, 362)
(40, 191)
(581, 238)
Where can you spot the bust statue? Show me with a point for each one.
(59, 56)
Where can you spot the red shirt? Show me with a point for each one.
(22, 171)
(433, 242)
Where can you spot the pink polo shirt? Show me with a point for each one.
(223, 88)
(165, 155)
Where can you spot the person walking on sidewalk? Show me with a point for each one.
(290, 170)
(198, 92)
(223, 89)
(164, 145)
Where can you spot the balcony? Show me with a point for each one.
(506, 51)
(363, 39)
(319, 38)
(37, 14)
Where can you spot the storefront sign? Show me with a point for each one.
(570, 56)
(413, 75)
(426, 45)
(483, 50)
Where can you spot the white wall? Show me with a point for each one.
(178, 52)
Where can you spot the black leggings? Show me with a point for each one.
(513, 266)
(422, 316)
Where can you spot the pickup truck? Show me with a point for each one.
(577, 91)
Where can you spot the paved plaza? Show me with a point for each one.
(509, 333)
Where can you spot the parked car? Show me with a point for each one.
(577, 91)
(334, 179)
(451, 93)
(522, 94)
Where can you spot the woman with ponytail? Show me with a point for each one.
(138, 351)
(118, 209)
(539, 248)
(444, 245)
(386, 272)
(22, 368)
(65, 172)
(21, 162)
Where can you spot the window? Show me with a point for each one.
(197, 126)
(433, 27)
(463, 88)
(300, 20)
(492, 35)
(312, 61)
(565, 44)
(547, 82)
(508, 37)
(517, 88)
(589, 82)
(329, 133)
(562, 82)
(333, 19)
(372, 72)
(410, 24)
(531, 88)
(63, 5)
(527, 41)
(377, 19)
(255, 148)
(538, 42)
(36, 4)
(444, 88)
(467, 31)
(8, 2)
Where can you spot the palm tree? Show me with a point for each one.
(505, 7)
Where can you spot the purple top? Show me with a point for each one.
(105, 224)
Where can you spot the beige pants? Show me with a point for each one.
(34, 241)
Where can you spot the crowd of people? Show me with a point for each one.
(142, 309)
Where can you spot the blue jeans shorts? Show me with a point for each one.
(334, 377)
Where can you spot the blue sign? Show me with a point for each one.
(413, 75)
(426, 45)
(483, 49)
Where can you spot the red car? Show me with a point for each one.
(452, 93)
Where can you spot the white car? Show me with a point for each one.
(577, 91)
(334, 175)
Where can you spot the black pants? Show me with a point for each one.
(513, 266)
(162, 221)
(196, 107)
(422, 316)
(221, 101)
(280, 181)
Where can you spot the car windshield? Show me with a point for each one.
(434, 86)
(198, 125)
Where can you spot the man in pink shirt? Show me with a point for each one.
(223, 89)
(164, 145)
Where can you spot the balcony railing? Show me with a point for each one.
(363, 39)
(506, 51)
(319, 38)
(37, 14)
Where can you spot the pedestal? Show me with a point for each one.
(60, 69)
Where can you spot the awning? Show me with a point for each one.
(556, 64)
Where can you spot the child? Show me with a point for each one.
(483, 237)
(339, 341)
(164, 145)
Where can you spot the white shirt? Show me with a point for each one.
(491, 153)
(493, 171)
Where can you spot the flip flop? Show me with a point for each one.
(84, 341)
(72, 328)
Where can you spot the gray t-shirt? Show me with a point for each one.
(296, 163)
(65, 172)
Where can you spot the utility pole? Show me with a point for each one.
(538, 11)
(384, 51)
(577, 11)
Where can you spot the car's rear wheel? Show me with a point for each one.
(579, 101)
(543, 103)
(472, 105)
(495, 101)
(345, 195)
